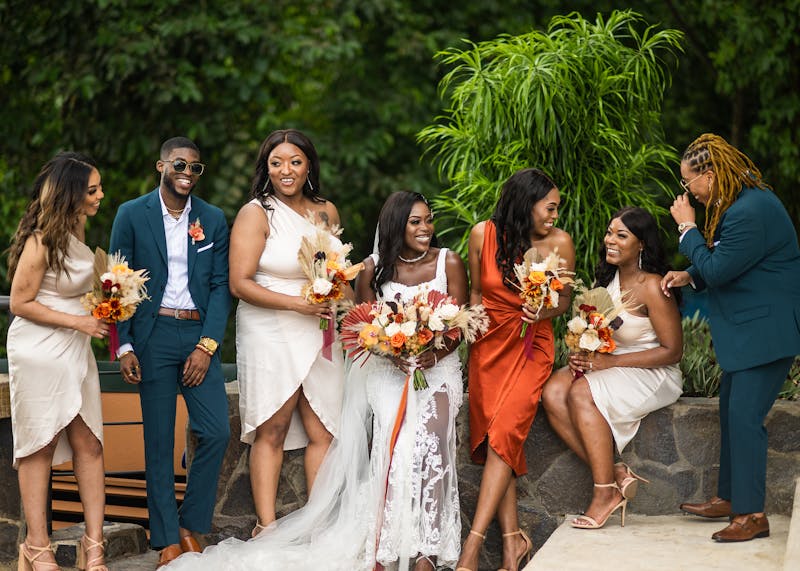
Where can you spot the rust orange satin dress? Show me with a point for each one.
(504, 384)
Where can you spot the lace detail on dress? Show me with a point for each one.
(421, 514)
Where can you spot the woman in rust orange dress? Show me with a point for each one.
(506, 372)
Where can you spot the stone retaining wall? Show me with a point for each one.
(676, 449)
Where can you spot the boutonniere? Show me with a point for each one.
(196, 231)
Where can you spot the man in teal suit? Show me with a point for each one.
(171, 342)
(749, 263)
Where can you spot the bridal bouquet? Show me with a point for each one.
(116, 292)
(595, 317)
(325, 264)
(540, 280)
(407, 329)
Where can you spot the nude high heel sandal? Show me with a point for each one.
(257, 529)
(28, 556)
(528, 547)
(96, 563)
(630, 483)
(482, 536)
(591, 523)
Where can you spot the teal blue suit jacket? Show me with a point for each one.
(753, 280)
(138, 233)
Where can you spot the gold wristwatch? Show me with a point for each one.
(208, 344)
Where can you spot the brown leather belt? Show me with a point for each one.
(190, 314)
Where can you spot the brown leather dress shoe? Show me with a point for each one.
(169, 554)
(715, 507)
(189, 544)
(743, 528)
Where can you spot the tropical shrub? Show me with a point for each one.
(582, 101)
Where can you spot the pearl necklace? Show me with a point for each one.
(412, 260)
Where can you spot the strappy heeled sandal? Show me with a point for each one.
(29, 555)
(96, 563)
(426, 558)
(528, 547)
(630, 483)
(591, 523)
(258, 529)
(482, 536)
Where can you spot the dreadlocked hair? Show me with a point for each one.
(58, 194)
(733, 171)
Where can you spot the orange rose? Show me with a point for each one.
(556, 285)
(397, 340)
(537, 278)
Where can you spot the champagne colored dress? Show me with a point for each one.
(504, 384)
(625, 395)
(52, 371)
(278, 351)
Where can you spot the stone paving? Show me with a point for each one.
(660, 543)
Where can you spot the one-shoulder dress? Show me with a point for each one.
(625, 395)
(279, 351)
(505, 385)
(52, 370)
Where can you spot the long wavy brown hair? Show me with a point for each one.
(733, 171)
(57, 198)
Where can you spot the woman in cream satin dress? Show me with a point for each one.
(290, 389)
(599, 400)
(55, 389)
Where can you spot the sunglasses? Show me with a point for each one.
(686, 183)
(195, 168)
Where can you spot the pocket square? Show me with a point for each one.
(204, 248)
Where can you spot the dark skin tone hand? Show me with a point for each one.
(194, 370)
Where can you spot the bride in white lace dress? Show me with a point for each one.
(369, 509)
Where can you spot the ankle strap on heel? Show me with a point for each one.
(479, 534)
(611, 485)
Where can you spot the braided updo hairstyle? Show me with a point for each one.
(733, 171)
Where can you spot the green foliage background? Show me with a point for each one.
(113, 78)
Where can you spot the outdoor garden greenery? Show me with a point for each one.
(114, 78)
(581, 101)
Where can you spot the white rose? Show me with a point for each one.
(381, 320)
(590, 341)
(107, 276)
(408, 328)
(435, 324)
(577, 324)
(391, 329)
(321, 286)
(447, 311)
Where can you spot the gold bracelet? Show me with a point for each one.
(204, 350)
(121, 355)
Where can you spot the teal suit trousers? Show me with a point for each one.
(170, 344)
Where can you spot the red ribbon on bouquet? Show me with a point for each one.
(528, 341)
(113, 341)
(398, 424)
(327, 343)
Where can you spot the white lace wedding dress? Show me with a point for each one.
(355, 515)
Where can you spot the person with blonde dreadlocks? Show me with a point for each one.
(748, 259)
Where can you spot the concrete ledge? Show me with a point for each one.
(660, 543)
